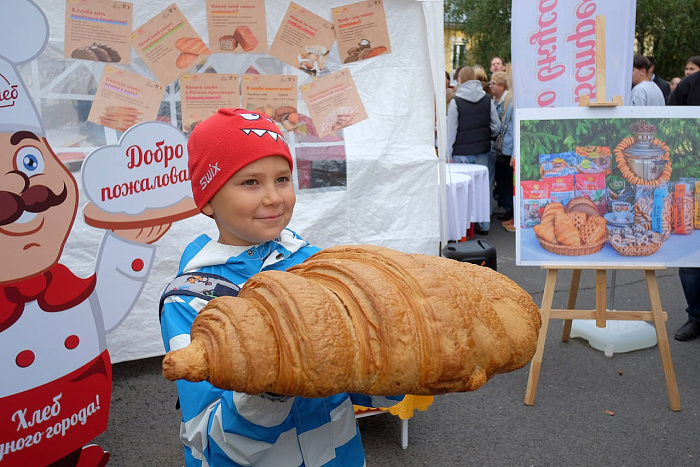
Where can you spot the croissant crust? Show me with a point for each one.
(362, 319)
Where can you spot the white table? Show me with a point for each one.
(467, 187)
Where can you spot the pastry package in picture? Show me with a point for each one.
(561, 189)
(557, 165)
(534, 195)
(592, 186)
(594, 159)
(684, 207)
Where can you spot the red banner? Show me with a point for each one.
(44, 424)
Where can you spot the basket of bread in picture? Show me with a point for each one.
(575, 230)
(635, 240)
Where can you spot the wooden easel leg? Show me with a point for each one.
(601, 288)
(571, 303)
(545, 311)
(662, 337)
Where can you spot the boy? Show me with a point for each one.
(241, 173)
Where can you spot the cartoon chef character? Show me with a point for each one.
(56, 372)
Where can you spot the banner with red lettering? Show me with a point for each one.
(554, 50)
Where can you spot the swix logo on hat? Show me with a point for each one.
(225, 143)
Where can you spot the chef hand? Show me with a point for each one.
(144, 234)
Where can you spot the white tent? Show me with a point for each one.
(391, 196)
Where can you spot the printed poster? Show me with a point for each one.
(273, 95)
(169, 44)
(617, 186)
(303, 40)
(237, 26)
(361, 30)
(98, 30)
(203, 94)
(333, 102)
(124, 99)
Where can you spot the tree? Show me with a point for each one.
(663, 29)
(668, 31)
(486, 25)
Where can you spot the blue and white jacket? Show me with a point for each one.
(232, 428)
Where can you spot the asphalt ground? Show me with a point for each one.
(589, 410)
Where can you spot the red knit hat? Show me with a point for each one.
(225, 143)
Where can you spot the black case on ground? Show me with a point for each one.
(477, 251)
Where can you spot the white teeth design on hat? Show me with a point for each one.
(261, 132)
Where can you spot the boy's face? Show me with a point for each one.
(255, 204)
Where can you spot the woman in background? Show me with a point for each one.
(692, 65)
(503, 98)
(472, 123)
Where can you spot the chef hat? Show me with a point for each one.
(226, 142)
(23, 36)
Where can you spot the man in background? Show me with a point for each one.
(688, 93)
(497, 64)
(664, 85)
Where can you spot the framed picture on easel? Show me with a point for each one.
(615, 186)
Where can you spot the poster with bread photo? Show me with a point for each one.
(273, 95)
(608, 186)
(333, 102)
(361, 30)
(98, 30)
(124, 99)
(304, 40)
(169, 44)
(237, 26)
(203, 94)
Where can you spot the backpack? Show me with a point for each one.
(201, 285)
(196, 284)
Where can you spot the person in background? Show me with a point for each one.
(692, 65)
(674, 82)
(504, 173)
(688, 93)
(449, 91)
(497, 64)
(658, 80)
(644, 92)
(480, 74)
(251, 198)
(472, 123)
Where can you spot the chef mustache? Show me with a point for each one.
(34, 199)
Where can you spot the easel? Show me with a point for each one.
(600, 314)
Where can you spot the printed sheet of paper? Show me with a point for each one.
(203, 94)
(361, 30)
(124, 99)
(169, 44)
(274, 95)
(237, 26)
(98, 30)
(303, 40)
(333, 102)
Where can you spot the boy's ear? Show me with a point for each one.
(208, 210)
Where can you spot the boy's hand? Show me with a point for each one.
(144, 234)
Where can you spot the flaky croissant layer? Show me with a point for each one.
(362, 319)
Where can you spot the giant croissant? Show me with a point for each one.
(362, 319)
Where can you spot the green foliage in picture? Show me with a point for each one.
(555, 136)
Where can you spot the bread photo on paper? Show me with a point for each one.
(362, 319)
